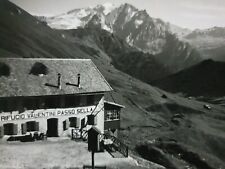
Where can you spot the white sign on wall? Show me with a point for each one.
(46, 113)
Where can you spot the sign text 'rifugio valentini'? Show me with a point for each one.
(46, 113)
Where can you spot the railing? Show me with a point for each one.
(96, 167)
(118, 145)
(77, 133)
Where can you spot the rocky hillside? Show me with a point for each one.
(179, 31)
(135, 27)
(24, 35)
(209, 42)
(124, 57)
(177, 132)
(205, 79)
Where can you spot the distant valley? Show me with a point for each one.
(205, 79)
(209, 42)
(169, 129)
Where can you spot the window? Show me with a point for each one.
(92, 119)
(4, 69)
(74, 122)
(30, 103)
(9, 105)
(3, 105)
(52, 102)
(83, 123)
(90, 100)
(1, 131)
(72, 101)
(24, 128)
(12, 104)
(39, 69)
(10, 129)
(97, 99)
(83, 100)
(32, 126)
(69, 101)
(112, 115)
(66, 124)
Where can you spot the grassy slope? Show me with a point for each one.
(147, 116)
(204, 79)
(124, 57)
(210, 44)
(26, 36)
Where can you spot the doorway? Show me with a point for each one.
(52, 130)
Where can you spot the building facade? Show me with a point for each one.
(52, 96)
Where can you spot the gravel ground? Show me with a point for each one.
(57, 153)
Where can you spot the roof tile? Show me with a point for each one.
(22, 83)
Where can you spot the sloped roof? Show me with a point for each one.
(21, 83)
(113, 104)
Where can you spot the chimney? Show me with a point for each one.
(59, 81)
(78, 80)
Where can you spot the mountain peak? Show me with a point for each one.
(134, 26)
(128, 7)
(105, 8)
(215, 32)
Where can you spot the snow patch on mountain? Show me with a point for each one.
(108, 7)
(67, 22)
(79, 17)
(138, 23)
(135, 26)
(104, 25)
(70, 20)
(130, 12)
(83, 13)
(129, 40)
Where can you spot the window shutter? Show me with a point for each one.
(78, 123)
(1, 131)
(73, 121)
(83, 100)
(64, 125)
(24, 128)
(6, 129)
(95, 120)
(83, 123)
(91, 100)
(36, 126)
(92, 119)
(15, 129)
(67, 124)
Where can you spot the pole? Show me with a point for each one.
(93, 159)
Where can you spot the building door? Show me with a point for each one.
(52, 130)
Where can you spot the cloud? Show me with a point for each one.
(204, 5)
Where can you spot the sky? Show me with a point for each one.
(190, 14)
